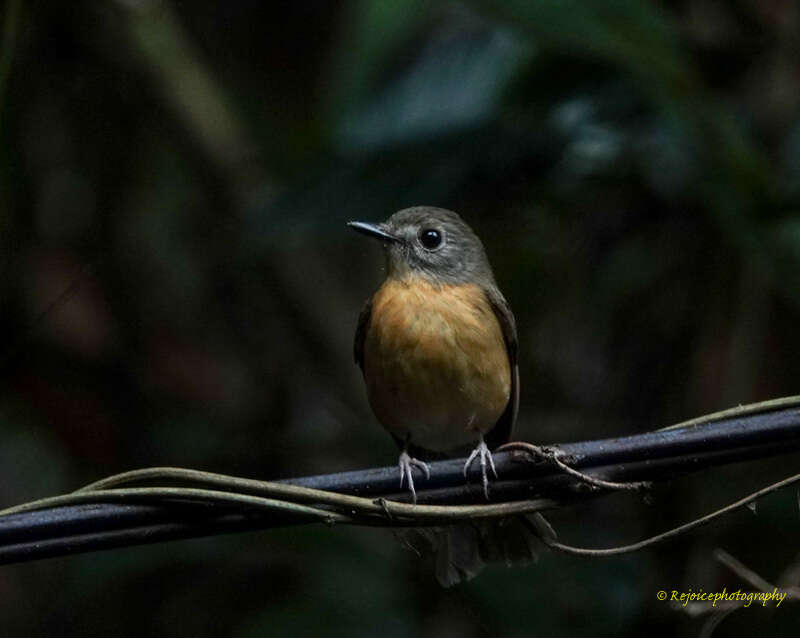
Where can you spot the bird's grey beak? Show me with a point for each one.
(373, 230)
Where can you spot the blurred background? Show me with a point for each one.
(178, 287)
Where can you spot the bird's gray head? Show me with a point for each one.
(433, 243)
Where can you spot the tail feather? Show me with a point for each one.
(463, 550)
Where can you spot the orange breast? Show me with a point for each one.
(435, 363)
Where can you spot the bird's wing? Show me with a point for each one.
(361, 334)
(501, 432)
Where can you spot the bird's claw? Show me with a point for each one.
(406, 463)
(483, 453)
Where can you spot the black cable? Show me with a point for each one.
(652, 456)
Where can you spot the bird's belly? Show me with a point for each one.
(435, 363)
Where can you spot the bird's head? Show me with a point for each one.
(430, 242)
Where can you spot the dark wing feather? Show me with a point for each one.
(361, 334)
(501, 432)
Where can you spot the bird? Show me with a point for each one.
(437, 343)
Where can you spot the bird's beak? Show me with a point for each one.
(373, 230)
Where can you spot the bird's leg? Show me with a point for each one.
(482, 452)
(406, 463)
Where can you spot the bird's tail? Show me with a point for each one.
(463, 550)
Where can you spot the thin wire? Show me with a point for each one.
(552, 455)
(626, 549)
(146, 494)
(738, 411)
(395, 514)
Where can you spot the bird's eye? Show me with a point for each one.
(430, 238)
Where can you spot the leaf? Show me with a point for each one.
(456, 81)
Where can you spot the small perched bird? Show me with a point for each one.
(437, 343)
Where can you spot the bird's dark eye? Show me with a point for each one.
(430, 238)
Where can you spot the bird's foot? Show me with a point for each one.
(406, 463)
(482, 453)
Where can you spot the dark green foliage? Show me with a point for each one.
(188, 168)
